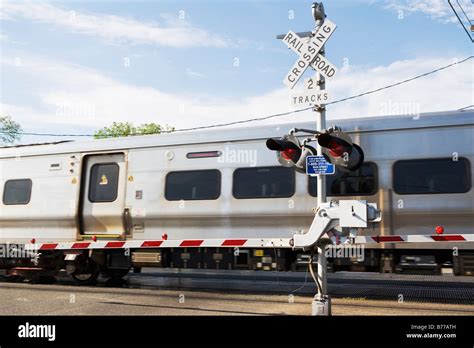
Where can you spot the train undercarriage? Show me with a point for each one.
(85, 266)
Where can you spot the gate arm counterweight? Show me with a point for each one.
(345, 214)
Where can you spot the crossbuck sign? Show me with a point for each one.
(311, 97)
(309, 54)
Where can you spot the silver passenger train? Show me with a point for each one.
(226, 184)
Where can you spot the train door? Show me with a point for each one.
(103, 196)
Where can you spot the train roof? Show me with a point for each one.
(361, 125)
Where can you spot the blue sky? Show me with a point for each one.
(75, 66)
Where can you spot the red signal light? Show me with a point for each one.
(336, 149)
(336, 146)
(340, 151)
(439, 230)
(289, 154)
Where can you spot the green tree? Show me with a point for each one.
(9, 130)
(125, 129)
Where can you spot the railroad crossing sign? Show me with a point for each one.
(317, 165)
(310, 83)
(309, 98)
(312, 96)
(309, 53)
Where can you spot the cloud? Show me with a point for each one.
(114, 29)
(435, 9)
(72, 97)
(445, 90)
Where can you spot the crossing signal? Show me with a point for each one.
(340, 151)
(290, 153)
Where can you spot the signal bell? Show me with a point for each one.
(340, 151)
(290, 153)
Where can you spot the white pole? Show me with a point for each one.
(322, 266)
(321, 179)
(321, 190)
(321, 125)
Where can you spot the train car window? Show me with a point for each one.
(193, 185)
(362, 182)
(264, 182)
(103, 185)
(17, 192)
(426, 176)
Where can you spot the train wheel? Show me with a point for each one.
(89, 276)
(85, 278)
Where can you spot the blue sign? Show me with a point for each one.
(318, 165)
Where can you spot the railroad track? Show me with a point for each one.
(371, 286)
(411, 288)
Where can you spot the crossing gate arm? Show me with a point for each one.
(169, 243)
(344, 213)
(414, 238)
(322, 225)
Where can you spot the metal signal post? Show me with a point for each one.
(319, 16)
(334, 149)
(312, 54)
